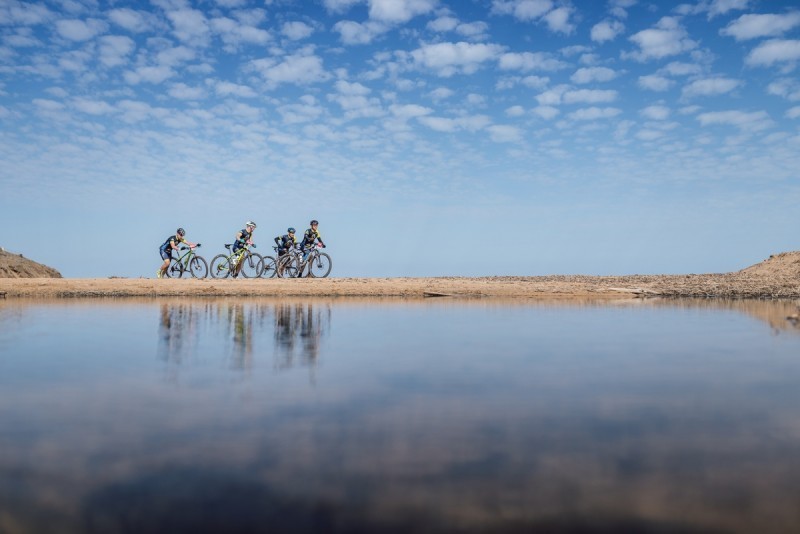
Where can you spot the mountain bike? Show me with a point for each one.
(319, 263)
(285, 266)
(188, 261)
(248, 264)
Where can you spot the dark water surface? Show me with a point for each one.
(399, 416)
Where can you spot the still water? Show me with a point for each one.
(399, 416)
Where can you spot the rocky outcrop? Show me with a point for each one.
(18, 266)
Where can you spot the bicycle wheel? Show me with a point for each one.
(320, 267)
(287, 267)
(198, 267)
(252, 265)
(270, 267)
(175, 269)
(220, 266)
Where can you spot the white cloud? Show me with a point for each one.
(181, 91)
(654, 82)
(399, 11)
(793, 113)
(443, 24)
(93, 107)
(131, 20)
(552, 97)
(720, 7)
(503, 133)
(558, 20)
(649, 135)
(546, 112)
(606, 30)
(524, 10)
(594, 113)
(306, 110)
(753, 26)
(443, 124)
(114, 49)
(475, 99)
(150, 74)
(526, 61)
(710, 87)
(656, 112)
(353, 89)
(224, 88)
(409, 111)
(80, 30)
(786, 88)
(447, 59)
(589, 96)
(47, 104)
(296, 30)
(233, 34)
(174, 56)
(593, 74)
(774, 51)
(473, 30)
(441, 93)
(13, 13)
(301, 68)
(753, 121)
(189, 25)
(668, 38)
(535, 82)
(339, 6)
(677, 68)
(354, 33)
(515, 111)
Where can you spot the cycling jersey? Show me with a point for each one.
(285, 241)
(168, 243)
(239, 243)
(166, 248)
(310, 236)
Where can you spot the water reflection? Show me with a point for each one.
(484, 416)
(297, 330)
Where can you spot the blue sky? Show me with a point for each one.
(429, 137)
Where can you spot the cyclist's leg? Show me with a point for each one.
(166, 256)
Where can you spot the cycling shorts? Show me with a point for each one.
(165, 253)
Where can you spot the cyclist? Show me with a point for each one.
(286, 242)
(243, 236)
(168, 246)
(310, 237)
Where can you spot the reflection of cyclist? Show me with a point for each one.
(286, 242)
(168, 246)
(310, 237)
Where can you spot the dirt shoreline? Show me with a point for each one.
(730, 285)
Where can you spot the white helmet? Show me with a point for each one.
(250, 223)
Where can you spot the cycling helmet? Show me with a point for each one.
(250, 223)
(312, 223)
(290, 230)
(181, 232)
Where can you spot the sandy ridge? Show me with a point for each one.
(731, 285)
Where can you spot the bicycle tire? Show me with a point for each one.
(252, 265)
(220, 266)
(287, 268)
(320, 266)
(270, 267)
(175, 269)
(198, 267)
